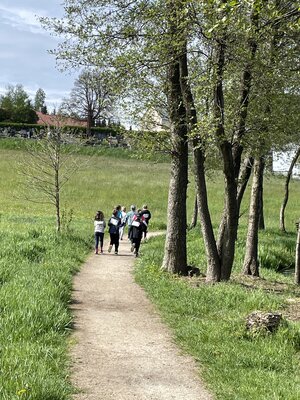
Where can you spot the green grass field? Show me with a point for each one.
(36, 269)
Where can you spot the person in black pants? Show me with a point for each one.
(114, 224)
(146, 214)
(99, 224)
(138, 227)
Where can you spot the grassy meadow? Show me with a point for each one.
(37, 265)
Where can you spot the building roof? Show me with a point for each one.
(58, 120)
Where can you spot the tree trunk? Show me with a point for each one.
(261, 220)
(57, 200)
(213, 265)
(213, 273)
(195, 214)
(89, 123)
(297, 258)
(175, 255)
(244, 177)
(228, 230)
(229, 222)
(286, 191)
(251, 262)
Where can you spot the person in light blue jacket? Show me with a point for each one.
(129, 218)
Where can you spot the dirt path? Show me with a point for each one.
(122, 350)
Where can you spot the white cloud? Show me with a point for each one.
(22, 19)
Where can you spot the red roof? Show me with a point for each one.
(58, 120)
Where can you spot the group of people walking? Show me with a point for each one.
(137, 221)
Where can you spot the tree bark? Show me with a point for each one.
(251, 262)
(286, 191)
(261, 220)
(57, 185)
(228, 226)
(213, 273)
(57, 206)
(89, 123)
(175, 255)
(213, 264)
(244, 177)
(195, 214)
(297, 257)
(228, 229)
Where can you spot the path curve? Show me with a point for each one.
(121, 349)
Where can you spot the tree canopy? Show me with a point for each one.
(16, 106)
(223, 69)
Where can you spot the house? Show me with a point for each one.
(58, 120)
(155, 121)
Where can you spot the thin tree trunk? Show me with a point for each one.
(195, 214)
(213, 273)
(251, 262)
(286, 191)
(89, 123)
(57, 201)
(244, 177)
(297, 258)
(261, 220)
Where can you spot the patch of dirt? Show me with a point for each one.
(122, 350)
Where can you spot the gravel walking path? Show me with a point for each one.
(122, 350)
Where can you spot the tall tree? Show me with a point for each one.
(175, 257)
(251, 262)
(17, 105)
(91, 98)
(190, 53)
(39, 100)
(47, 167)
(138, 41)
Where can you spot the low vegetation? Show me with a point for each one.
(36, 269)
(209, 321)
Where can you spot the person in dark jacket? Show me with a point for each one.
(138, 226)
(114, 224)
(147, 216)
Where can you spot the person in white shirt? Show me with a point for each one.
(99, 225)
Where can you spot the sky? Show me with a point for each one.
(23, 50)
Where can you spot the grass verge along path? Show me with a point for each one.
(208, 322)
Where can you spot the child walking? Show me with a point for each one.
(138, 227)
(114, 224)
(99, 225)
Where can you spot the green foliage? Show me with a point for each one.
(17, 105)
(91, 97)
(4, 114)
(39, 100)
